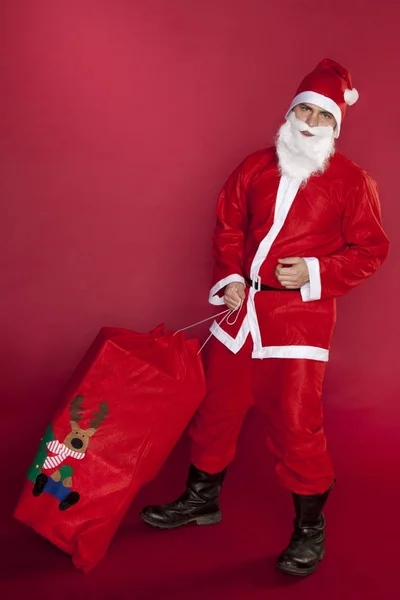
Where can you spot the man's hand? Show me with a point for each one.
(292, 273)
(234, 294)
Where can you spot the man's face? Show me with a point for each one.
(314, 116)
(301, 155)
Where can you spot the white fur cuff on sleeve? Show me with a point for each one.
(218, 300)
(312, 290)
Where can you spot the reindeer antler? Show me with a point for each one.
(99, 416)
(76, 408)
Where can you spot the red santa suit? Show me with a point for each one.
(334, 223)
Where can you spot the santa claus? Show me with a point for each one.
(297, 226)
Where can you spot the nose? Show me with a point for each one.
(312, 120)
(76, 443)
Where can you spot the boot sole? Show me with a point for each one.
(300, 572)
(204, 520)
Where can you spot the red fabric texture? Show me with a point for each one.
(336, 218)
(152, 385)
(336, 209)
(285, 320)
(288, 392)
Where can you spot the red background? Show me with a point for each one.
(120, 121)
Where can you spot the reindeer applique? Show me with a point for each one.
(55, 477)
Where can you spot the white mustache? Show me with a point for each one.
(324, 132)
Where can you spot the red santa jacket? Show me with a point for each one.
(333, 222)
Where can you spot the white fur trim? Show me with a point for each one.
(234, 344)
(312, 290)
(323, 102)
(309, 352)
(351, 96)
(287, 191)
(217, 300)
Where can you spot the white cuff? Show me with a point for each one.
(217, 300)
(312, 289)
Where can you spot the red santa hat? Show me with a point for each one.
(329, 86)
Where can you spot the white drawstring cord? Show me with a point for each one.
(237, 310)
(204, 320)
(227, 313)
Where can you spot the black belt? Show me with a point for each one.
(260, 287)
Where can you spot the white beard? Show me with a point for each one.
(301, 156)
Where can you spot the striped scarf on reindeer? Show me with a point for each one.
(61, 452)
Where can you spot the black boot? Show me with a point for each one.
(199, 503)
(307, 545)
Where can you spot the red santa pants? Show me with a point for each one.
(288, 391)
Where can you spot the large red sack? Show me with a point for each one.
(123, 411)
